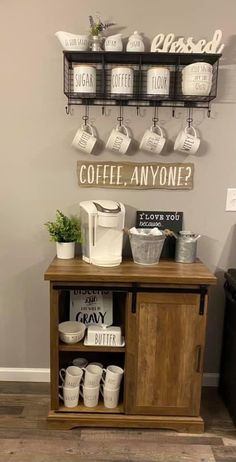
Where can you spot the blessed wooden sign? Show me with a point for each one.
(131, 175)
(168, 44)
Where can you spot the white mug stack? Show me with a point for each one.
(91, 384)
(71, 378)
(197, 79)
(75, 384)
(110, 388)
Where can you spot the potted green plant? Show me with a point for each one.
(65, 231)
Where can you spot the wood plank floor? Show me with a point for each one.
(24, 436)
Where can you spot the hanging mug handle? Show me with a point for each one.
(153, 127)
(89, 129)
(187, 129)
(119, 128)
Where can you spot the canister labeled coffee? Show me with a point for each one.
(84, 79)
(122, 80)
(158, 81)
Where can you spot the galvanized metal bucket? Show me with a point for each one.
(186, 247)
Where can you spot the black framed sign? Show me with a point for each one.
(162, 220)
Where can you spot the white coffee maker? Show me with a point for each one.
(102, 223)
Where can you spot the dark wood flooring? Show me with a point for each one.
(24, 436)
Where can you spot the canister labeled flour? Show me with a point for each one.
(158, 81)
(84, 79)
(122, 80)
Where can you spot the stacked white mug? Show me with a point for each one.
(111, 386)
(197, 79)
(90, 386)
(70, 378)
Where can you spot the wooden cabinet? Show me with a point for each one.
(162, 311)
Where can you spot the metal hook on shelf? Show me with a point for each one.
(120, 118)
(68, 109)
(189, 119)
(86, 115)
(209, 112)
(155, 116)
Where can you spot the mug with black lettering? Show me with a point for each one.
(85, 139)
(119, 140)
(187, 141)
(153, 140)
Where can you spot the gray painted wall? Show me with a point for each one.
(38, 164)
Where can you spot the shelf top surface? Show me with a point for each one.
(165, 272)
(144, 57)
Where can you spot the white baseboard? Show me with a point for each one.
(18, 374)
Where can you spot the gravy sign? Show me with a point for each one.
(131, 175)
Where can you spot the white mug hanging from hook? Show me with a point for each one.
(153, 139)
(119, 139)
(187, 140)
(85, 138)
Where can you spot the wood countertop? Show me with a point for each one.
(165, 272)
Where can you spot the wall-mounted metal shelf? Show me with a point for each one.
(140, 62)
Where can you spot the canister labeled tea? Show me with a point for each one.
(122, 80)
(158, 81)
(84, 79)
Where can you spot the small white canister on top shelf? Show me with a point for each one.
(122, 79)
(135, 42)
(158, 81)
(114, 43)
(84, 79)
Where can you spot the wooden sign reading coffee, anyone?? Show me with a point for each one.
(131, 175)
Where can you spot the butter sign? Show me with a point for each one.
(91, 306)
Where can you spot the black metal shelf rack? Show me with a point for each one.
(140, 62)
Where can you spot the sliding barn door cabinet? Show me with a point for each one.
(162, 311)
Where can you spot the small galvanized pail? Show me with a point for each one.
(186, 247)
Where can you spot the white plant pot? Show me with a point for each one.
(65, 250)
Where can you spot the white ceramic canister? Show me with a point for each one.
(114, 43)
(135, 42)
(158, 81)
(84, 79)
(122, 80)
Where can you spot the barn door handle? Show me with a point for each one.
(198, 358)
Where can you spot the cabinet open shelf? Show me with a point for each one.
(100, 408)
(81, 347)
(140, 62)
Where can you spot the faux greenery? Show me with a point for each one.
(64, 229)
(97, 26)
